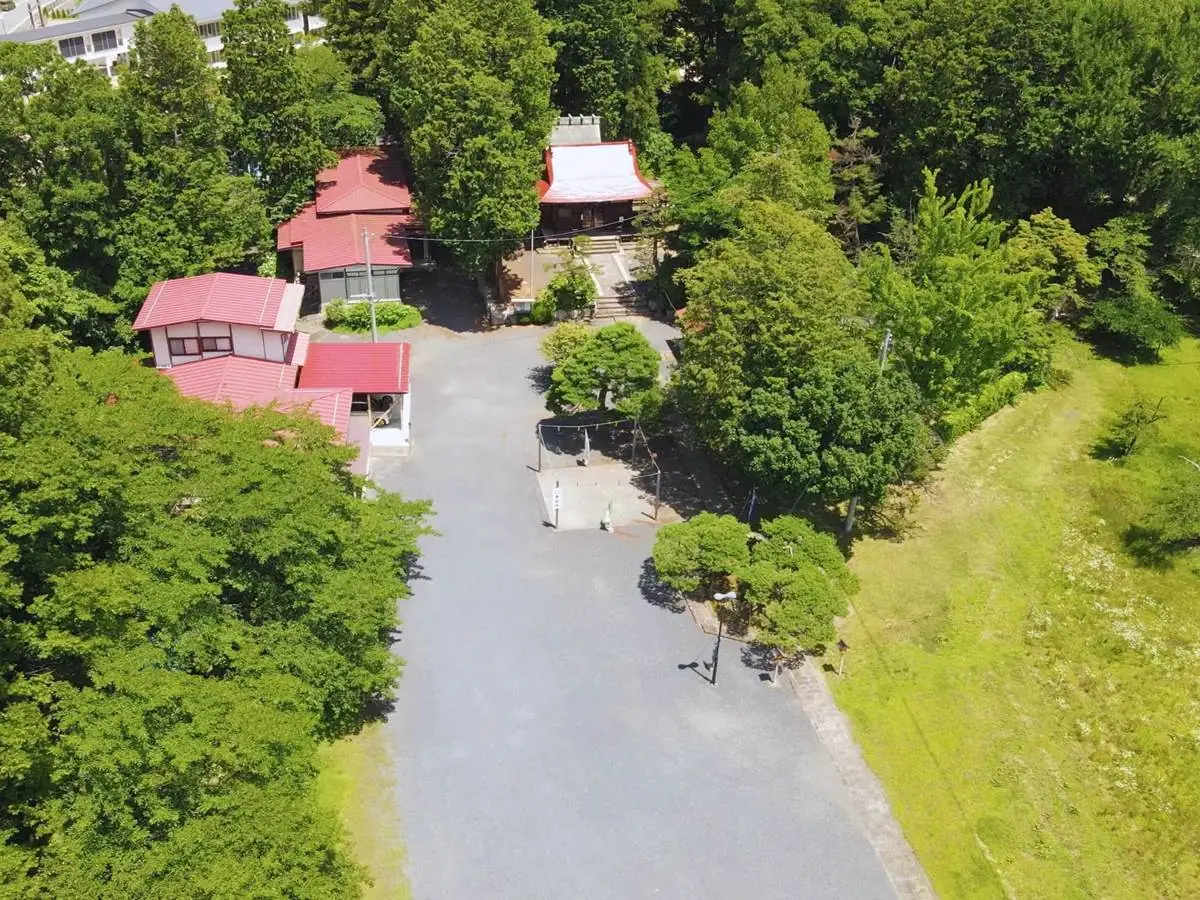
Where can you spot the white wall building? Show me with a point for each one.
(101, 31)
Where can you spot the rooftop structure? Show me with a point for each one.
(365, 193)
(101, 32)
(222, 297)
(231, 339)
(380, 368)
(594, 173)
(575, 130)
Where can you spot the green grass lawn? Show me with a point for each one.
(354, 784)
(1030, 696)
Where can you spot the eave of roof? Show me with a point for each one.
(377, 368)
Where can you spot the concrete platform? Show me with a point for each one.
(587, 491)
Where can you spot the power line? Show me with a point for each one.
(578, 231)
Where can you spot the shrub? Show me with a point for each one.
(390, 315)
(996, 395)
(542, 312)
(572, 288)
(564, 340)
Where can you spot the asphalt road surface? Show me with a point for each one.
(547, 742)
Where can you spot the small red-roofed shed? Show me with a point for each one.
(377, 373)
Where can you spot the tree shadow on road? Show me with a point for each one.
(539, 378)
(656, 592)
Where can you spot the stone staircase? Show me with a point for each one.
(603, 243)
(618, 307)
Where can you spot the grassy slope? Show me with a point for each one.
(353, 785)
(1026, 693)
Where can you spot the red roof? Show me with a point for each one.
(363, 181)
(593, 173)
(334, 242)
(365, 368)
(220, 297)
(244, 382)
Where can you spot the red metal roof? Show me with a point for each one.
(221, 297)
(363, 181)
(334, 242)
(593, 173)
(243, 382)
(364, 368)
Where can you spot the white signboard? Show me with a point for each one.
(556, 499)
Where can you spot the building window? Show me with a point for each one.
(293, 13)
(216, 345)
(216, 56)
(184, 346)
(70, 47)
(209, 29)
(104, 40)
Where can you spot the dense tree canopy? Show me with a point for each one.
(275, 134)
(614, 366)
(184, 213)
(341, 117)
(610, 63)
(473, 93)
(179, 625)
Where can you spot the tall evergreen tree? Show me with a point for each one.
(183, 212)
(473, 94)
(610, 62)
(275, 137)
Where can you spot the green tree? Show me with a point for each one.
(610, 62)
(1173, 523)
(764, 144)
(342, 118)
(961, 310)
(275, 137)
(563, 340)
(55, 302)
(473, 94)
(701, 553)
(1048, 243)
(858, 189)
(74, 151)
(177, 632)
(356, 30)
(183, 213)
(616, 364)
(1129, 309)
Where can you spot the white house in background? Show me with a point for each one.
(231, 339)
(102, 30)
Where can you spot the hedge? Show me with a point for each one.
(998, 394)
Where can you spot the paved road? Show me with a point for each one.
(546, 742)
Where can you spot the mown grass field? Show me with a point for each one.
(1029, 695)
(353, 785)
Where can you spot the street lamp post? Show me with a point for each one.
(720, 598)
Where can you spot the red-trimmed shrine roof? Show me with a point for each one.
(593, 173)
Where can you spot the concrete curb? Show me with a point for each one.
(866, 792)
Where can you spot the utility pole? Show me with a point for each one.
(884, 348)
(370, 284)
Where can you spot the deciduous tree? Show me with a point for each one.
(702, 552)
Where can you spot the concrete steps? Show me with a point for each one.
(604, 243)
(619, 307)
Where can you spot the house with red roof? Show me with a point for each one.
(589, 183)
(362, 212)
(231, 339)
